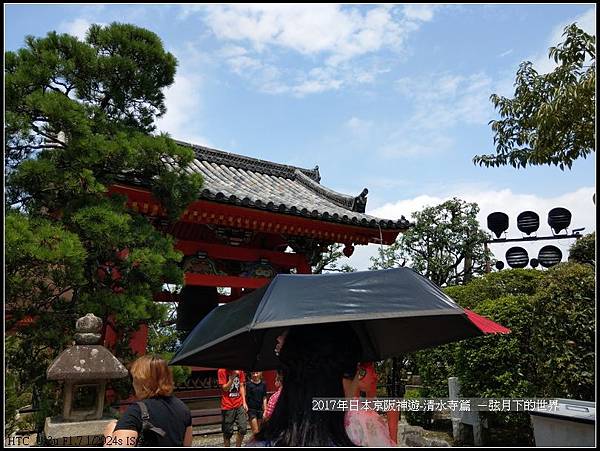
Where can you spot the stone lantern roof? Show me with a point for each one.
(85, 363)
(86, 360)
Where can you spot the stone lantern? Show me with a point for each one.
(85, 368)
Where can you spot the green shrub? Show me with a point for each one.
(495, 285)
(584, 250)
(564, 331)
(549, 353)
(435, 366)
(420, 418)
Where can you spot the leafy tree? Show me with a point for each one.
(79, 118)
(445, 244)
(328, 260)
(164, 339)
(584, 250)
(551, 119)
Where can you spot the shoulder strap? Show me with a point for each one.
(144, 409)
(146, 424)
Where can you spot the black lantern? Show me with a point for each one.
(517, 257)
(528, 222)
(497, 222)
(559, 219)
(499, 265)
(534, 262)
(549, 256)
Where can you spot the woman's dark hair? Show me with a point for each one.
(313, 358)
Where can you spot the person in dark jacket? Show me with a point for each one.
(256, 397)
(168, 422)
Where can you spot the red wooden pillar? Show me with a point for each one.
(137, 343)
(304, 266)
(393, 416)
(139, 340)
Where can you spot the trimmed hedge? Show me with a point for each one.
(549, 352)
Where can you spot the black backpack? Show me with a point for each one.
(149, 433)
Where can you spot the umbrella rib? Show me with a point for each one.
(262, 302)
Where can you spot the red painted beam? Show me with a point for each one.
(243, 254)
(211, 280)
(175, 297)
(165, 296)
(208, 212)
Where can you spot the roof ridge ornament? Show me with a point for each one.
(360, 201)
(216, 156)
(339, 199)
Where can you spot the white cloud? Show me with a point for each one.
(421, 12)
(587, 22)
(183, 102)
(340, 32)
(414, 142)
(359, 126)
(77, 27)
(445, 99)
(439, 102)
(331, 38)
(579, 203)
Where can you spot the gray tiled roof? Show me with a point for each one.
(249, 182)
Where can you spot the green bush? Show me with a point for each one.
(584, 250)
(495, 285)
(435, 366)
(564, 331)
(549, 353)
(421, 418)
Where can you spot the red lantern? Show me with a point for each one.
(348, 250)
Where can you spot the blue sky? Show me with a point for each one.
(394, 98)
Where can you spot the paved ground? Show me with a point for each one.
(217, 439)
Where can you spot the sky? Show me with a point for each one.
(394, 98)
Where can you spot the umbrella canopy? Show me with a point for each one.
(392, 311)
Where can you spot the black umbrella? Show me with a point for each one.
(393, 311)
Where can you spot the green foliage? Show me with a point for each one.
(418, 418)
(445, 244)
(163, 340)
(564, 332)
(584, 250)
(551, 119)
(549, 352)
(495, 285)
(499, 365)
(435, 366)
(79, 118)
(328, 260)
(14, 398)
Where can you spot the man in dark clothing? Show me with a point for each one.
(256, 397)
